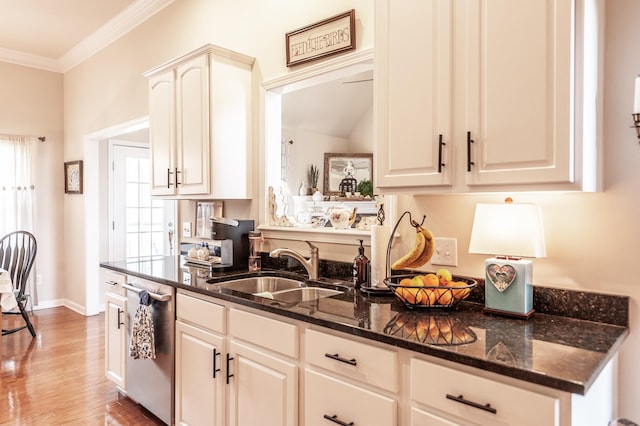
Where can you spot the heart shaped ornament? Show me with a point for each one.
(501, 276)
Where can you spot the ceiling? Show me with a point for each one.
(58, 34)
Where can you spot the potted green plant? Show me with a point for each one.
(313, 178)
(365, 187)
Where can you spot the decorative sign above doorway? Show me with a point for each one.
(328, 37)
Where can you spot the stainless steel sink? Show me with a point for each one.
(253, 285)
(301, 294)
(278, 288)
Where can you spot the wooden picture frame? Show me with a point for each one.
(334, 169)
(327, 37)
(73, 177)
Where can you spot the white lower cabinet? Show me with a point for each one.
(200, 378)
(199, 366)
(329, 400)
(349, 382)
(115, 324)
(453, 394)
(263, 389)
(229, 369)
(263, 370)
(242, 367)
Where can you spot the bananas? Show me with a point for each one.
(428, 249)
(421, 251)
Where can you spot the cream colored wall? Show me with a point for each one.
(109, 88)
(31, 104)
(591, 238)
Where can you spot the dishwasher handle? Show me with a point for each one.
(154, 296)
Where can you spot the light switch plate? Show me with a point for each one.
(186, 229)
(446, 252)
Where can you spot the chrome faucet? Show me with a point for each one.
(310, 265)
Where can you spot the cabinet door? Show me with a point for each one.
(200, 376)
(192, 126)
(115, 338)
(327, 399)
(518, 79)
(263, 388)
(162, 133)
(414, 93)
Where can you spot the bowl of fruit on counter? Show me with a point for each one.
(424, 289)
(430, 290)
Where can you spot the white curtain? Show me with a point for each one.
(18, 160)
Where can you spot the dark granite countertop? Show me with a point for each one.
(556, 351)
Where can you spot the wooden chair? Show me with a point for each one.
(17, 255)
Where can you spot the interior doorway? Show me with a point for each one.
(96, 207)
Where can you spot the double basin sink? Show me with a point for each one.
(280, 289)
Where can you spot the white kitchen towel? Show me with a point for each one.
(379, 241)
(7, 298)
(143, 345)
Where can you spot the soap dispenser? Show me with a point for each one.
(360, 268)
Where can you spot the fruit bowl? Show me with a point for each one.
(435, 330)
(423, 291)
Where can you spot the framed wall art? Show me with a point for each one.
(341, 166)
(73, 177)
(327, 37)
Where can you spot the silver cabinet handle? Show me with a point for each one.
(154, 296)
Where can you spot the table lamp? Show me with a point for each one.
(509, 232)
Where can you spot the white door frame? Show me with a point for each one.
(96, 205)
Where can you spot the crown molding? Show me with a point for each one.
(121, 24)
(28, 60)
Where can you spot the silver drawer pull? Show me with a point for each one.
(337, 357)
(154, 296)
(111, 282)
(460, 399)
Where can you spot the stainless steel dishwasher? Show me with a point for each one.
(150, 381)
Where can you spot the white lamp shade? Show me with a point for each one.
(508, 230)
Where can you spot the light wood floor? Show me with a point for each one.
(57, 378)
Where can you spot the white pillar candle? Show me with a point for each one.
(379, 241)
(636, 98)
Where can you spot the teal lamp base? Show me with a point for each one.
(508, 290)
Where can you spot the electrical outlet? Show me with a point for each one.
(186, 229)
(446, 252)
(38, 280)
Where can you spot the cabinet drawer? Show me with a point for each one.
(201, 312)
(112, 281)
(266, 332)
(326, 396)
(360, 361)
(434, 386)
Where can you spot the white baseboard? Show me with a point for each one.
(63, 302)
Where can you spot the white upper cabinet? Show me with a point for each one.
(413, 66)
(486, 95)
(200, 125)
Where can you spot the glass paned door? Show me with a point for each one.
(142, 226)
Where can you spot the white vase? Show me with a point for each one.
(303, 188)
